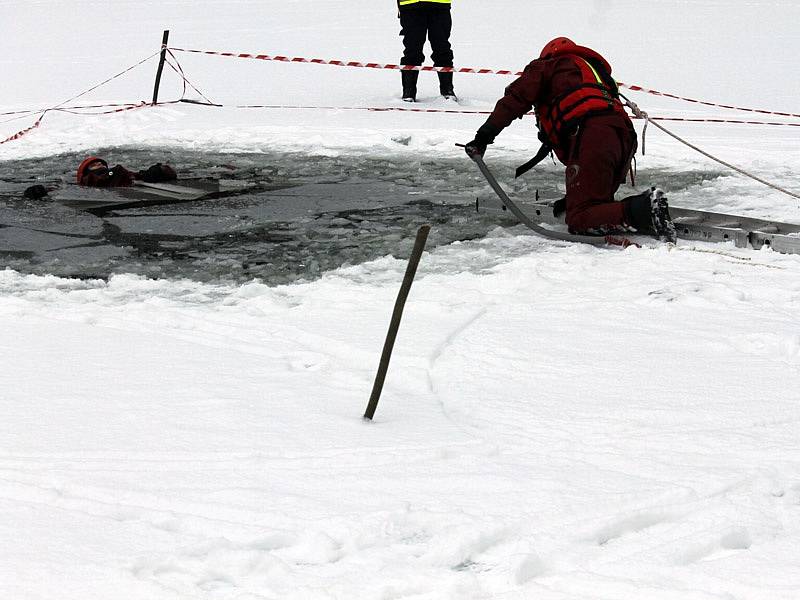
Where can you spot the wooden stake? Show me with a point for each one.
(397, 314)
(160, 65)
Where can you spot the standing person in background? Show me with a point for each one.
(420, 19)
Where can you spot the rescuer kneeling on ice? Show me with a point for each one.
(581, 119)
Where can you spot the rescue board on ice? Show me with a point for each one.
(100, 200)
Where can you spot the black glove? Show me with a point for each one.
(157, 173)
(475, 148)
(119, 176)
(483, 137)
(35, 192)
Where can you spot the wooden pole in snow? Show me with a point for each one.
(397, 314)
(160, 65)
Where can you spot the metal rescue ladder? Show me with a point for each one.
(691, 224)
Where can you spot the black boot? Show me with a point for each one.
(409, 79)
(446, 86)
(662, 221)
(648, 212)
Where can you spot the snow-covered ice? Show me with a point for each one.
(559, 421)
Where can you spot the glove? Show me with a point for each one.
(483, 137)
(118, 176)
(35, 192)
(157, 173)
(475, 148)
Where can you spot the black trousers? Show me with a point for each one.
(431, 21)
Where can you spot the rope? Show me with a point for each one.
(58, 107)
(120, 74)
(124, 108)
(643, 115)
(19, 117)
(179, 70)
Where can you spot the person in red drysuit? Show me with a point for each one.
(95, 172)
(581, 119)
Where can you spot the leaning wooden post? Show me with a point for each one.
(397, 314)
(160, 65)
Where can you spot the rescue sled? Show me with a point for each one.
(102, 200)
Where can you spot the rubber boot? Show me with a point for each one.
(638, 211)
(446, 86)
(409, 79)
(648, 213)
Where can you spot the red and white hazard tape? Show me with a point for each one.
(369, 65)
(487, 112)
(75, 108)
(123, 108)
(60, 106)
(20, 112)
(372, 65)
(19, 134)
(342, 63)
(367, 108)
(142, 104)
(713, 120)
(637, 88)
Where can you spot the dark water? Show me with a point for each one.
(297, 217)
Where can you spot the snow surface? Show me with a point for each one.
(559, 421)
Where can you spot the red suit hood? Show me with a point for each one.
(561, 46)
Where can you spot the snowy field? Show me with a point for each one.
(559, 422)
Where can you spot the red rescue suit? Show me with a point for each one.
(581, 118)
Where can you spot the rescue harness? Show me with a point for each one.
(561, 117)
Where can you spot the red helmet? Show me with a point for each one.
(557, 46)
(87, 162)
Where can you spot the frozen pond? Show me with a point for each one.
(299, 216)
